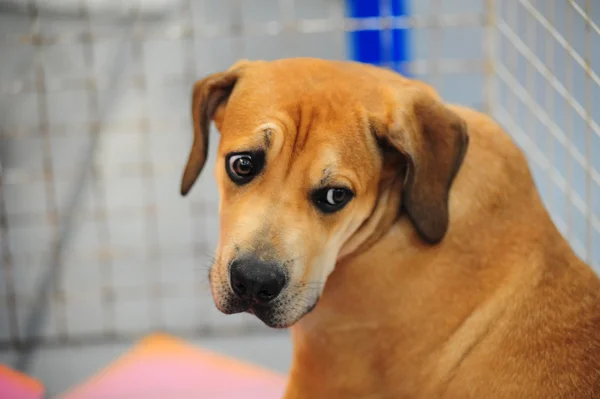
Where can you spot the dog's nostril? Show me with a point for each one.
(239, 288)
(265, 295)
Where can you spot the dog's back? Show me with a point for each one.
(544, 341)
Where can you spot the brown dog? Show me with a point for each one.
(445, 276)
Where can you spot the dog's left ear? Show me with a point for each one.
(209, 98)
(433, 139)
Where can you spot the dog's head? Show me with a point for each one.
(300, 166)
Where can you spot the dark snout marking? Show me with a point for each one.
(256, 281)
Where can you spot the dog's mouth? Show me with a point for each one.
(291, 304)
(277, 314)
(246, 307)
(268, 315)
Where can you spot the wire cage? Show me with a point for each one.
(97, 244)
(545, 58)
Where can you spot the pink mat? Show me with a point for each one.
(15, 385)
(162, 367)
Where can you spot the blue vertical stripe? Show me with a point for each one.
(367, 45)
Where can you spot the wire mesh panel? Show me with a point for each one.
(96, 241)
(95, 127)
(546, 86)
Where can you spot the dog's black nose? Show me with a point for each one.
(255, 280)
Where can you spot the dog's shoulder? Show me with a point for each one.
(489, 139)
(495, 184)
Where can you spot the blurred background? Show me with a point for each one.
(97, 248)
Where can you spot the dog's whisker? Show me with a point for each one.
(290, 261)
(310, 283)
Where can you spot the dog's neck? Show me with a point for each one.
(420, 297)
(391, 311)
(384, 289)
(379, 222)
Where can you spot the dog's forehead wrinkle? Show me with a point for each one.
(305, 119)
(268, 133)
(265, 130)
(325, 178)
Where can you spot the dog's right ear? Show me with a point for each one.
(433, 140)
(208, 103)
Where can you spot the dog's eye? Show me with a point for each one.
(242, 167)
(331, 199)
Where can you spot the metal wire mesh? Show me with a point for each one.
(95, 129)
(544, 57)
(96, 241)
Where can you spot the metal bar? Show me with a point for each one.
(588, 132)
(101, 219)
(152, 250)
(443, 65)
(436, 39)
(271, 28)
(570, 127)
(586, 15)
(549, 95)
(386, 36)
(512, 60)
(490, 46)
(530, 76)
(51, 292)
(8, 268)
(402, 38)
(192, 67)
(337, 22)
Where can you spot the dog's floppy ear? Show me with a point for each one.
(434, 140)
(208, 102)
